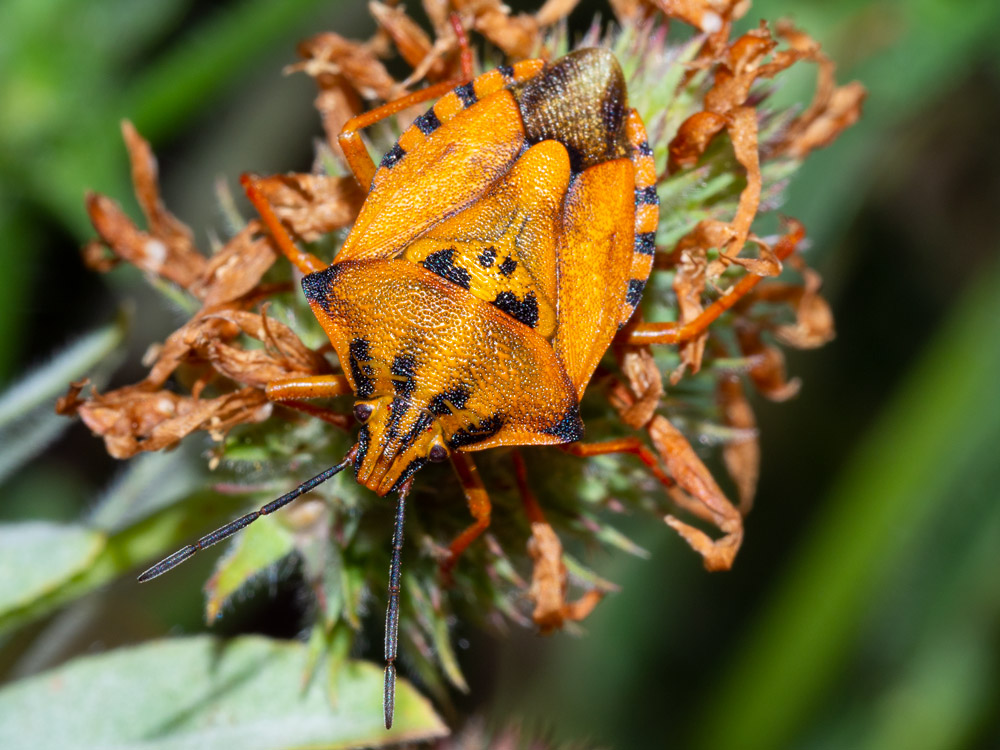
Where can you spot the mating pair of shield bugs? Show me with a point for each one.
(503, 247)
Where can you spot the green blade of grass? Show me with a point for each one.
(898, 477)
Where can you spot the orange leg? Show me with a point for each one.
(531, 507)
(622, 445)
(672, 333)
(289, 391)
(305, 262)
(312, 386)
(479, 507)
(350, 139)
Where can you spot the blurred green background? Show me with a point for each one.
(864, 608)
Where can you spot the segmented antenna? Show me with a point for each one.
(233, 526)
(392, 610)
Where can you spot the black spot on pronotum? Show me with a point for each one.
(634, 294)
(525, 310)
(646, 196)
(404, 368)
(442, 263)
(467, 94)
(569, 428)
(507, 72)
(457, 396)
(644, 149)
(428, 122)
(486, 428)
(487, 257)
(508, 266)
(392, 157)
(360, 353)
(316, 286)
(645, 243)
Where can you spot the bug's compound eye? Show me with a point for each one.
(438, 453)
(362, 412)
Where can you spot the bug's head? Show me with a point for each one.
(435, 369)
(397, 438)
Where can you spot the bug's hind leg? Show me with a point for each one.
(358, 158)
(672, 333)
(479, 506)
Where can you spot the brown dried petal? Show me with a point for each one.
(735, 76)
(646, 382)
(695, 480)
(518, 36)
(329, 54)
(162, 224)
(742, 455)
(553, 11)
(411, 41)
(132, 420)
(689, 284)
(693, 137)
(69, 405)
(743, 133)
(235, 269)
(185, 343)
(842, 110)
(549, 583)
(142, 250)
(768, 370)
(706, 15)
(313, 205)
(282, 342)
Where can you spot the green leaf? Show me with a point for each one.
(203, 692)
(260, 545)
(27, 421)
(36, 558)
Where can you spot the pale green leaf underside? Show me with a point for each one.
(201, 692)
(37, 557)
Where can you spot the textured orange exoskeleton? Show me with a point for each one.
(505, 240)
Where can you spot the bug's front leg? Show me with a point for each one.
(290, 392)
(358, 158)
(479, 506)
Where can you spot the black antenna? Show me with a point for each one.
(233, 526)
(392, 610)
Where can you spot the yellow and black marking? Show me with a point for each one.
(647, 213)
(458, 99)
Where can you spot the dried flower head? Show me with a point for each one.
(723, 156)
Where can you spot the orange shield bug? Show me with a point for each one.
(506, 238)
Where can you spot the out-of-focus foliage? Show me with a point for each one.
(864, 609)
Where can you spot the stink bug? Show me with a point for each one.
(505, 240)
